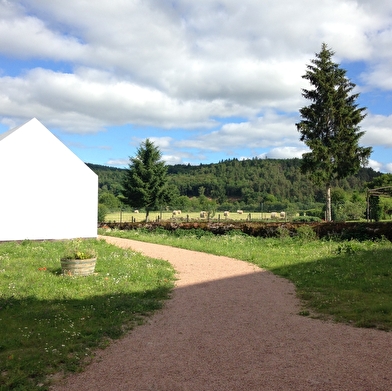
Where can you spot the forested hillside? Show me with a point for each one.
(248, 183)
(109, 178)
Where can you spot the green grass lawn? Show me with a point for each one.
(347, 281)
(52, 323)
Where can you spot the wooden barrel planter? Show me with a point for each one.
(78, 267)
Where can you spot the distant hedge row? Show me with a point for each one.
(340, 230)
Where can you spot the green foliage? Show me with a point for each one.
(380, 187)
(338, 196)
(145, 184)
(383, 180)
(386, 205)
(375, 208)
(268, 181)
(109, 200)
(315, 213)
(235, 232)
(109, 178)
(348, 211)
(271, 185)
(78, 249)
(330, 124)
(50, 323)
(282, 233)
(305, 233)
(348, 247)
(102, 212)
(183, 203)
(193, 232)
(306, 219)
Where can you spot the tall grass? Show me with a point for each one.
(52, 323)
(347, 281)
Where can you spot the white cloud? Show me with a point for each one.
(378, 130)
(381, 167)
(191, 65)
(172, 159)
(72, 99)
(270, 130)
(117, 162)
(285, 153)
(163, 143)
(380, 75)
(377, 166)
(388, 168)
(24, 36)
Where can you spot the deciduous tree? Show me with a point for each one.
(330, 124)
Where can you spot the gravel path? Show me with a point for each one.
(230, 326)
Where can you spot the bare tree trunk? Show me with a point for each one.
(147, 213)
(328, 212)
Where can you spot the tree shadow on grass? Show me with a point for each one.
(41, 337)
(241, 332)
(236, 333)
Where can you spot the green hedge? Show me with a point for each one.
(352, 230)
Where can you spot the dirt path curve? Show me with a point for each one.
(231, 326)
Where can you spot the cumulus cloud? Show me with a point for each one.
(172, 159)
(285, 153)
(380, 166)
(228, 73)
(94, 103)
(378, 130)
(269, 130)
(388, 168)
(117, 162)
(377, 166)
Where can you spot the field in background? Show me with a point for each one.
(121, 217)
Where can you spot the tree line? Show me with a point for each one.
(251, 185)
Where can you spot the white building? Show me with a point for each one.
(46, 191)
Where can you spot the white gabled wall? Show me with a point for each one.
(46, 191)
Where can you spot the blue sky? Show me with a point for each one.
(205, 80)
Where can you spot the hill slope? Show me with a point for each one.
(248, 181)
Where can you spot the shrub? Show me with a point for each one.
(235, 232)
(195, 232)
(305, 233)
(102, 212)
(306, 219)
(282, 233)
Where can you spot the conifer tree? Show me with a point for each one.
(330, 124)
(145, 182)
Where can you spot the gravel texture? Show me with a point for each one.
(232, 326)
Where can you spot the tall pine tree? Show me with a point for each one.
(330, 124)
(146, 183)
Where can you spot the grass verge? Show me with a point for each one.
(347, 281)
(52, 323)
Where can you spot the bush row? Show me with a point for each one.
(344, 231)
